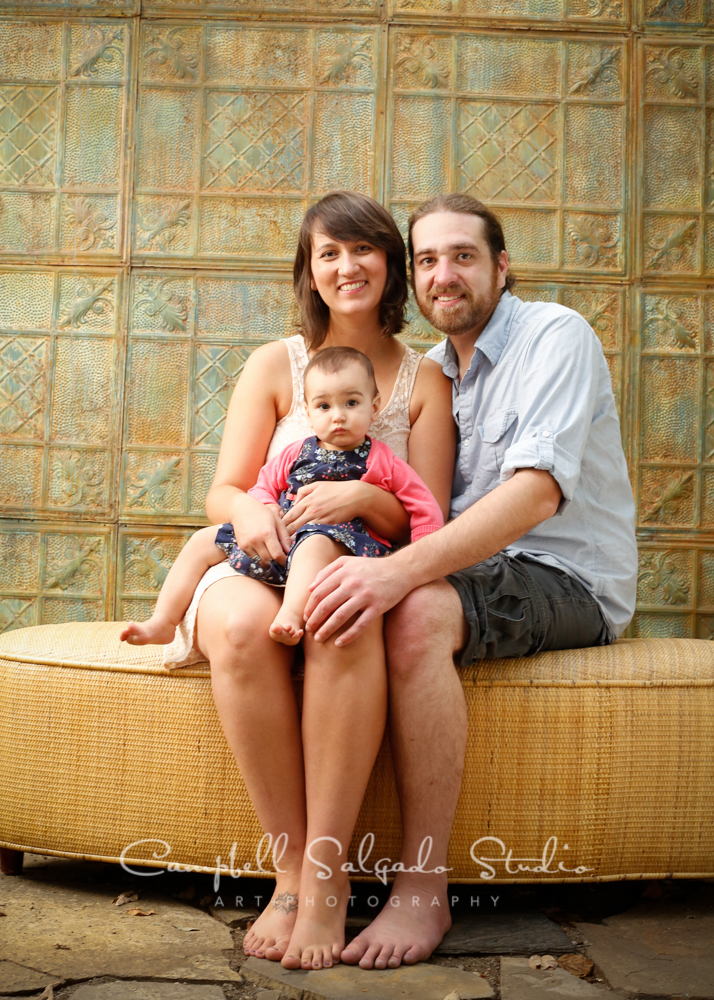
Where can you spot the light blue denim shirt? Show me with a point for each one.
(538, 395)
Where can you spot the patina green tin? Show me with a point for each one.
(156, 157)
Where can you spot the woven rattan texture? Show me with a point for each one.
(596, 764)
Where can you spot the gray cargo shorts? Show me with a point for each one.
(517, 606)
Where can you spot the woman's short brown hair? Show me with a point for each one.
(348, 216)
(464, 204)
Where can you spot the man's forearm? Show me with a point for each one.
(491, 524)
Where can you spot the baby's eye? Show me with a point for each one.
(352, 402)
(324, 406)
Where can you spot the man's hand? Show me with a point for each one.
(353, 586)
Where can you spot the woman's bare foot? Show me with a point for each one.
(287, 628)
(159, 631)
(408, 932)
(319, 934)
(269, 935)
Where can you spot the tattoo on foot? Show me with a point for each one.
(285, 902)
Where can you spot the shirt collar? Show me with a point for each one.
(492, 339)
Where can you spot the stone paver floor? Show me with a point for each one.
(62, 938)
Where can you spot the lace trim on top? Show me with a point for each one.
(391, 426)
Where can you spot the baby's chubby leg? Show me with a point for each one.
(311, 555)
(199, 552)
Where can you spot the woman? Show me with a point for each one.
(306, 777)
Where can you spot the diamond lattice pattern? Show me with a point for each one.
(509, 152)
(22, 386)
(255, 141)
(28, 120)
(217, 369)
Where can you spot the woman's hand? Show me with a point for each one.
(260, 530)
(328, 503)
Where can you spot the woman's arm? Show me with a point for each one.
(263, 391)
(432, 442)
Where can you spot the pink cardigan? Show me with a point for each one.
(384, 469)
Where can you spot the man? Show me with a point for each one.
(540, 552)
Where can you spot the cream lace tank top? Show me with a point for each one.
(391, 426)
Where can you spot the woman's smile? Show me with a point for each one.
(352, 286)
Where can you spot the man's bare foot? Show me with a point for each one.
(406, 932)
(287, 628)
(269, 935)
(319, 933)
(156, 630)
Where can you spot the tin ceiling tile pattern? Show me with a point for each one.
(240, 127)
(61, 374)
(155, 253)
(533, 126)
(64, 114)
(52, 572)
(589, 12)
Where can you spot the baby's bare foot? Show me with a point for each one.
(287, 628)
(269, 935)
(156, 630)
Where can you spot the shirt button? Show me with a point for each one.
(546, 434)
(466, 441)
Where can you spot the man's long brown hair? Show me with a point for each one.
(348, 216)
(464, 204)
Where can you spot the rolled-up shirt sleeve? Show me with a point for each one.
(559, 388)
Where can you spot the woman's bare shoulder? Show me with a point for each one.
(273, 355)
(430, 376)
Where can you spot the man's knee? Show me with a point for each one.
(427, 625)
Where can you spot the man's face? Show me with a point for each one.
(456, 280)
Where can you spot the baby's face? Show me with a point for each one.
(341, 406)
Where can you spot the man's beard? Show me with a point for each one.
(471, 313)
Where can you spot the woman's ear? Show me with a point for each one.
(313, 286)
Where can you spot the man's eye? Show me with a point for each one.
(464, 256)
(425, 261)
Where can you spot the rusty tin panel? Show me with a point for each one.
(144, 557)
(96, 8)
(534, 126)
(295, 9)
(51, 572)
(240, 127)
(64, 123)
(688, 15)
(677, 193)
(189, 337)
(61, 382)
(590, 13)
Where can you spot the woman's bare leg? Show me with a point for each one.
(199, 552)
(255, 700)
(343, 720)
(311, 555)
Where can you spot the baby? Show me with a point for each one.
(342, 400)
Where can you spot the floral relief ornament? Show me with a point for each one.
(92, 228)
(604, 8)
(595, 243)
(99, 46)
(149, 559)
(91, 297)
(158, 301)
(668, 9)
(151, 485)
(79, 481)
(418, 57)
(659, 570)
(350, 55)
(602, 68)
(77, 560)
(666, 504)
(168, 51)
(669, 250)
(667, 67)
(162, 226)
(666, 321)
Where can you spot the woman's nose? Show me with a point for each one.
(348, 264)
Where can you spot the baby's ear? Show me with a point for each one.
(375, 405)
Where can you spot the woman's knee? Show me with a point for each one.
(233, 624)
(427, 626)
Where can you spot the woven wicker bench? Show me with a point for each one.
(582, 765)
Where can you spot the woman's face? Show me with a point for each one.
(350, 277)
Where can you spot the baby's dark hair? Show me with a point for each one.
(336, 359)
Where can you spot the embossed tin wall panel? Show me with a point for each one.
(65, 114)
(534, 126)
(156, 160)
(239, 127)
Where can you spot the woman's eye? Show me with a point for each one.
(366, 248)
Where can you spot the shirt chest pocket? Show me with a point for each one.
(496, 433)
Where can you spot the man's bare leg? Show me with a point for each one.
(312, 554)
(428, 728)
(199, 552)
(256, 704)
(343, 718)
